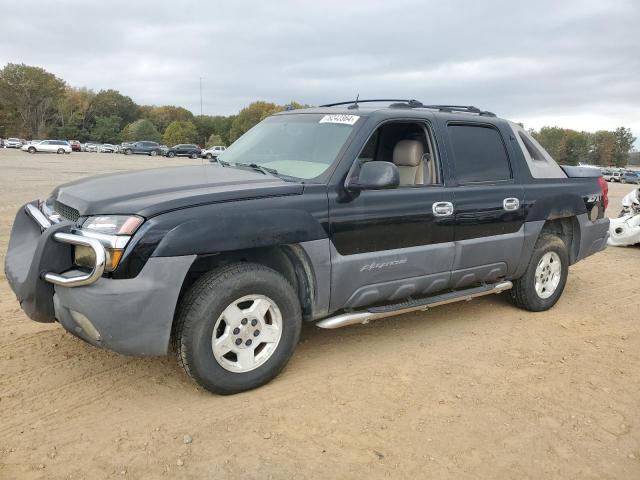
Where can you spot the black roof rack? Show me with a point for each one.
(461, 108)
(354, 103)
(412, 103)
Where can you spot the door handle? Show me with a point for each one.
(511, 204)
(442, 209)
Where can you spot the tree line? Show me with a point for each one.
(570, 147)
(35, 103)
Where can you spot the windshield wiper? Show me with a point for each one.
(259, 168)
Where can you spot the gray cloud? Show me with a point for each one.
(571, 63)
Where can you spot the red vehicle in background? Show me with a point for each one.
(75, 146)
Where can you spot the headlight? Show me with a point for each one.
(113, 231)
(113, 224)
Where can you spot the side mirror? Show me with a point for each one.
(375, 175)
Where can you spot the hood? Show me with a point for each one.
(151, 192)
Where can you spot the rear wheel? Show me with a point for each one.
(237, 327)
(128, 151)
(209, 156)
(545, 277)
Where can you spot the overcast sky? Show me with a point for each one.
(574, 64)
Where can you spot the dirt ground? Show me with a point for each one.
(469, 390)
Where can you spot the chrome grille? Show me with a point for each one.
(65, 211)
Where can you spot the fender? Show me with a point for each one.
(555, 207)
(228, 226)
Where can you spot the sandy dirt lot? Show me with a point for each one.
(468, 390)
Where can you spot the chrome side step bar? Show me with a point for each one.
(376, 313)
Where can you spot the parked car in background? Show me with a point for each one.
(184, 150)
(123, 146)
(213, 152)
(144, 147)
(48, 146)
(13, 143)
(75, 145)
(630, 177)
(32, 142)
(91, 147)
(107, 148)
(612, 176)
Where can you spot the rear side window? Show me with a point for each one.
(479, 154)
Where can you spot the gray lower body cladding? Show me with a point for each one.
(132, 316)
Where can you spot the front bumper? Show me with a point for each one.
(131, 316)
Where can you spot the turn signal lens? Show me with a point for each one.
(84, 257)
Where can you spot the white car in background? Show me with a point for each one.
(213, 152)
(106, 148)
(13, 143)
(49, 146)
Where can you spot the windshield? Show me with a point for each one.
(295, 145)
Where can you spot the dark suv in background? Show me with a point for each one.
(143, 148)
(184, 150)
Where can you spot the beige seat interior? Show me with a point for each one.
(408, 156)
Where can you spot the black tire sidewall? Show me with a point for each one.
(548, 243)
(206, 310)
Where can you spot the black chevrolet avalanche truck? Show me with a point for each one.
(337, 215)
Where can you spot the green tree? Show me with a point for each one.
(141, 129)
(75, 110)
(31, 94)
(214, 140)
(603, 148)
(624, 144)
(163, 116)
(107, 129)
(180, 132)
(566, 146)
(108, 103)
(250, 116)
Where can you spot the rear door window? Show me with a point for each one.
(479, 154)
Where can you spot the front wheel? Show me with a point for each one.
(209, 156)
(545, 277)
(237, 327)
(32, 150)
(153, 153)
(194, 155)
(171, 154)
(60, 151)
(128, 151)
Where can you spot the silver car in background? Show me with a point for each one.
(48, 146)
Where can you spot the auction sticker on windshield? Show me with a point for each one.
(344, 119)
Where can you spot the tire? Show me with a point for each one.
(194, 155)
(153, 153)
(524, 293)
(60, 151)
(205, 306)
(171, 154)
(128, 151)
(209, 156)
(32, 150)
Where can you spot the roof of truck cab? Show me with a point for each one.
(387, 112)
